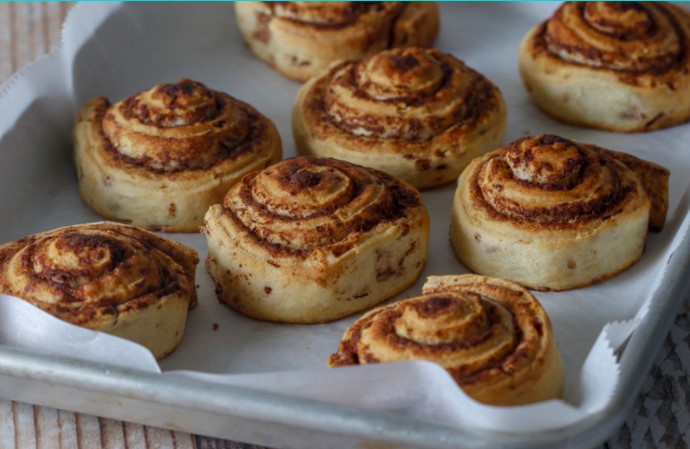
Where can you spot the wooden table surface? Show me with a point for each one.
(660, 418)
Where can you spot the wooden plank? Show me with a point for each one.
(7, 429)
(6, 65)
(24, 425)
(28, 30)
(135, 436)
(67, 428)
(47, 428)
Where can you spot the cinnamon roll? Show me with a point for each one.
(107, 277)
(553, 214)
(301, 39)
(311, 240)
(618, 66)
(491, 335)
(160, 158)
(418, 114)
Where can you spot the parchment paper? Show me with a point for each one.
(116, 51)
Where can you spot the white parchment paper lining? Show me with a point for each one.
(116, 50)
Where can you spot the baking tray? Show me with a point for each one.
(98, 57)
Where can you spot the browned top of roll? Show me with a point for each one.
(406, 94)
(180, 127)
(87, 273)
(304, 203)
(631, 38)
(334, 15)
(482, 331)
(554, 182)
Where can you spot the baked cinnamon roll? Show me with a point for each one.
(553, 214)
(301, 39)
(160, 158)
(311, 240)
(491, 335)
(107, 277)
(418, 114)
(619, 66)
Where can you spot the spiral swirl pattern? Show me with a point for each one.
(411, 94)
(349, 233)
(631, 37)
(419, 114)
(617, 66)
(492, 336)
(160, 158)
(552, 181)
(554, 214)
(99, 275)
(181, 126)
(306, 203)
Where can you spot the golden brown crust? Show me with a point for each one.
(159, 158)
(632, 39)
(654, 180)
(102, 276)
(555, 214)
(301, 39)
(629, 61)
(492, 336)
(329, 198)
(551, 182)
(418, 114)
(314, 239)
